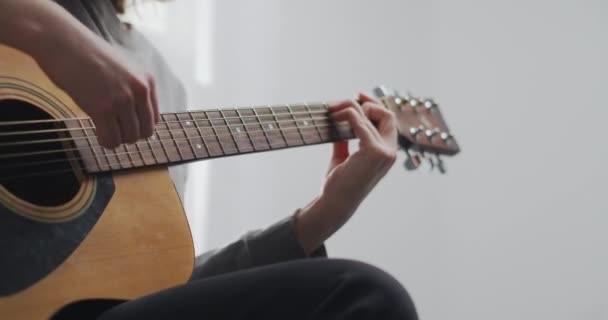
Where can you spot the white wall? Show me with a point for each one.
(516, 230)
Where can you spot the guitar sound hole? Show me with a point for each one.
(33, 164)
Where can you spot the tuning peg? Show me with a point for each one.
(446, 136)
(401, 99)
(428, 159)
(431, 133)
(440, 164)
(413, 102)
(415, 131)
(412, 162)
(431, 163)
(381, 92)
(429, 104)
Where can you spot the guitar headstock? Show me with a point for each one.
(422, 128)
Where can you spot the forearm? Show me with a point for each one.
(38, 27)
(316, 222)
(275, 244)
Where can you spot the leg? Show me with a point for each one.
(300, 289)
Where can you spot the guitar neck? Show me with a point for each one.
(198, 135)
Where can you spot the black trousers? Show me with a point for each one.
(316, 288)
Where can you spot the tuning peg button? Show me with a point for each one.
(429, 104)
(445, 136)
(431, 133)
(413, 102)
(414, 131)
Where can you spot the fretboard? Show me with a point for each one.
(197, 135)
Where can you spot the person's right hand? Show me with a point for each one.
(119, 98)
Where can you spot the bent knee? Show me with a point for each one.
(379, 292)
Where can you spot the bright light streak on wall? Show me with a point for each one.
(204, 41)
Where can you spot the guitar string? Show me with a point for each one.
(224, 149)
(294, 121)
(150, 140)
(8, 123)
(160, 123)
(248, 140)
(120, 166)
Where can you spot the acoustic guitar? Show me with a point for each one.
(81, 222)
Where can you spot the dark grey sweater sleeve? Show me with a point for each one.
(277, 243)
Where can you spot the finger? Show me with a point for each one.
(108, 134)
(154, 99)
(357, 122)
(345, 104)
(144, 113)
(367, 106)
(339, 155)
(129, 124)
(384, 119)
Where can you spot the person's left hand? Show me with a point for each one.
(350, 177)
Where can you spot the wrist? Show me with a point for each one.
(311, 225)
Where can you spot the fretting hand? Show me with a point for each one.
(350, 177)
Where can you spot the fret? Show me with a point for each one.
(112, 159)
(181, 136)
(222, 132)
(115, 163)
(276, 120)
(293, 129)
(271, 127)
(237, 130)
(98, 151)
(262, 126)
(137, 158)
(295, 122)
(211, 142)
(323, 122)
(157, 148)
(129, 156)
(227, 127)
(194, 135)
(287, 126)
(164, 137)
(305, 123)
(254, 129)
(90, 148)
(242, 122)
(123, 158)
(177, 136)
(144, 150)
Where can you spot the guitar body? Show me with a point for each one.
(72, 237)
